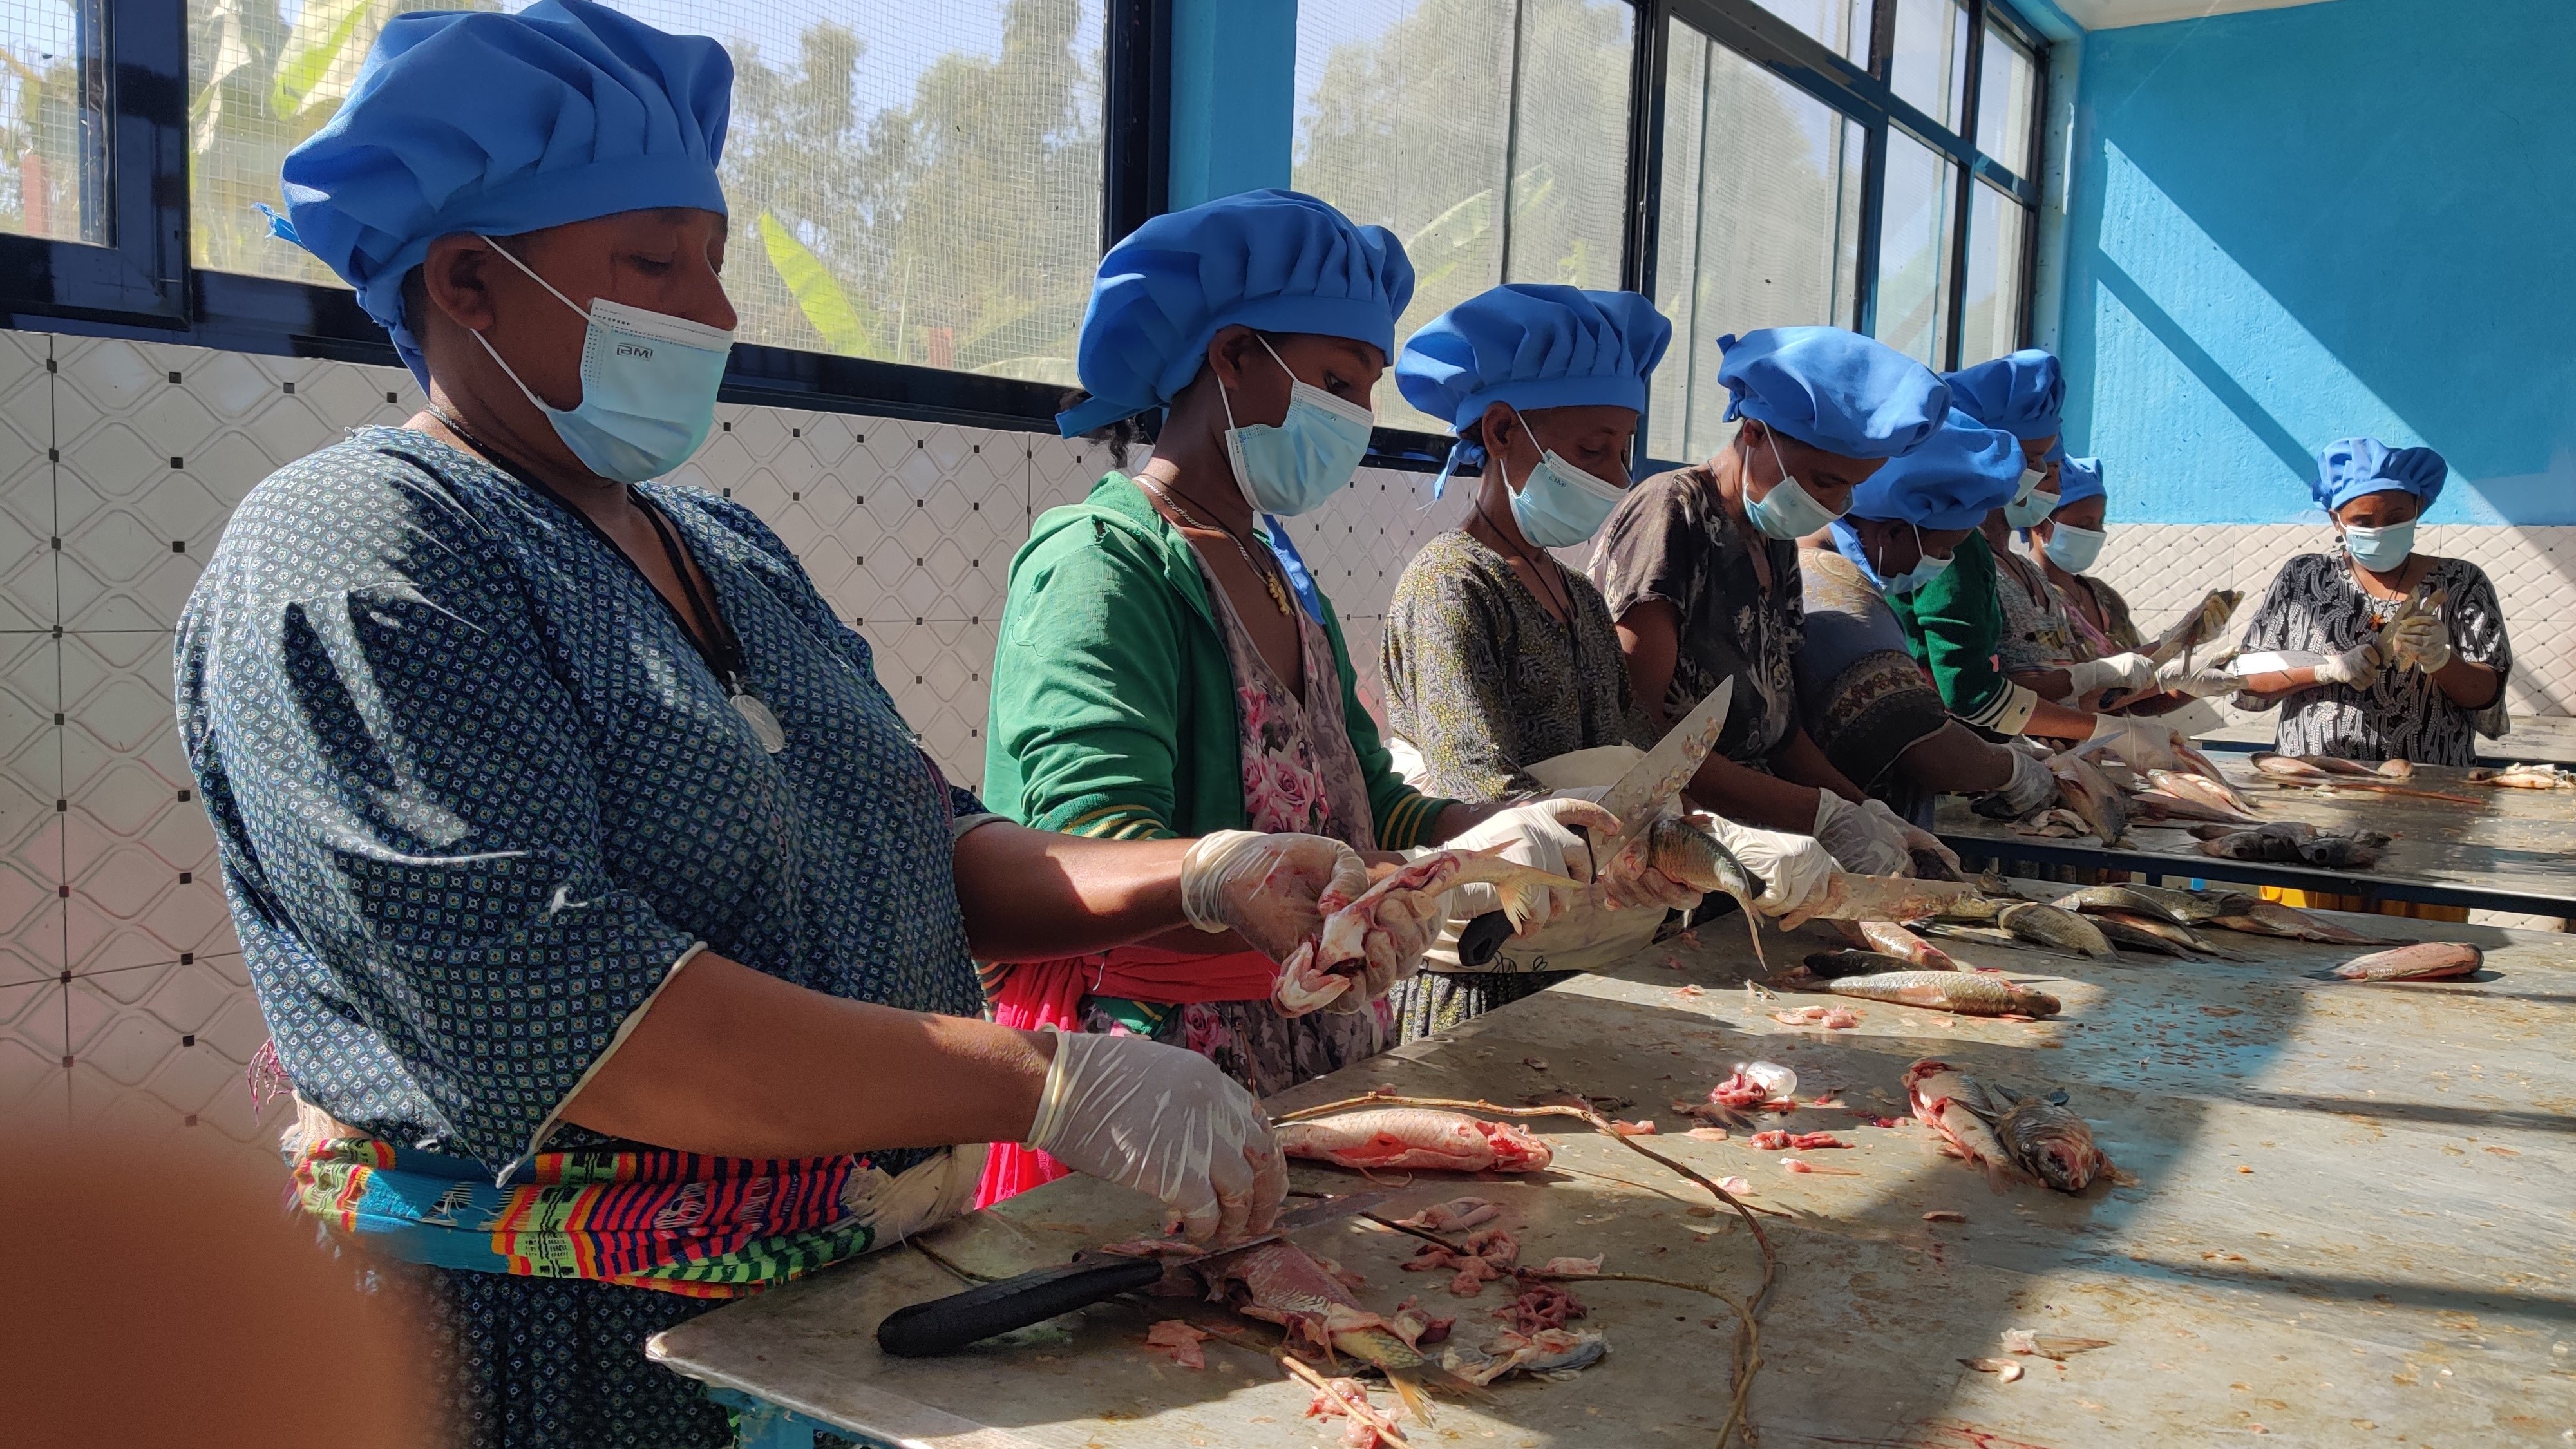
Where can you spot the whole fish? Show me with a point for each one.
(1416, 1137)
(2192, 907)
(2198, 627)
(1897, 941)
(2180, 936)
(1850, 897)
(1968, 993)
(2271, 918)
(2154, 804)
(2131, 938)
(1951, 1103)
(2202, 790)
(2094, 900)
(2050, 1142)
(1974, 910)
(1982, 935)
(2423, 961)
(2082, 789)
(1691, 855)
(2058, 930)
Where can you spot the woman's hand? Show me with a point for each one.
(1540, 835)
(1164, 1121)
(1272, 890)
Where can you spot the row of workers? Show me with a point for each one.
(617, 939)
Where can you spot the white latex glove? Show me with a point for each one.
(2142, 743)
(1858, 840)
(1269, 889)
(1795, 869)
(2031, 786)
(1915, 836)
(1628, 878)
(2199, 682)
(2421, 642)
(2356, 666)
(1163, 1121)
(2130, 671)
(1540, 835)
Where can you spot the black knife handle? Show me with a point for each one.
(1481, 940)
(944, 1325)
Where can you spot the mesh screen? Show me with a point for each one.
(1915, 236)
(1998, 248)
(52, 151)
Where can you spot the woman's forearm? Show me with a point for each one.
(1033, 895)
(1753, 798)
(2046, 683)
(734, 1062)
(1954, 761)
(1650, 645)
(2057, 722)
(1799, 759)
(2469, 684)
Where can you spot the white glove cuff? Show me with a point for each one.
(1051, 1097)
(1203, 878)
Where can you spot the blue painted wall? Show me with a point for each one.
(2291, 226)
(1234, 97)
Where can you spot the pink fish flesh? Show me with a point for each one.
(1389, 1137)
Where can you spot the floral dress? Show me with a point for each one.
(1299, 774)
(2039, 634)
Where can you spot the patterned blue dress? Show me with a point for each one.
(475, 792)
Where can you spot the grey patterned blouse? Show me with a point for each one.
(475, 791)
(2314, 605)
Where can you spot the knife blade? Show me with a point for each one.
(1669, 766)
(944, 1325)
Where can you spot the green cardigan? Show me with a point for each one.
(1954, 626)
(1113, 710)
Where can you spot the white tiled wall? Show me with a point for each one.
(122, 996)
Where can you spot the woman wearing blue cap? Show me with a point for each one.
(614, 933)
(1699, 567)
(2069, 541)
(2350, 684)
(1503, 670)
(1164, 668)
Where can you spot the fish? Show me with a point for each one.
(2153, 805)
(1933, 865)
(2425, 599)
(1830, 964)
(2050, 1142)
(2525, 777)
(2133, 938)
(2214, 794)
(1319, 969)
(1782, 1140)
(2193, 907)
(1967, 993)
(1279, 1283)
(1951, 1103)
(1548, 1351)
(2271, 918)
(2422, 961)
(2056, 929)
(2180, 936)
(2057, 823)
(2082, 788)
(2304, 770)
(2339, 852)
(1974, 910)
(1689, 854)
(2096, 900)
(1895, 940)
(1850, 897)
(1383, 1137)
(1982, 935)
(2206, 619)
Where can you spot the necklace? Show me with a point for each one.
(1557, 595)
(1268, 576)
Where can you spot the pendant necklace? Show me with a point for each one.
(1269, 577)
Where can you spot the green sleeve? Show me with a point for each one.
(1954, 625)
(1403, 814)
(1082, 735)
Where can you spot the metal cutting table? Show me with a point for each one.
(2353, 1221)
(2513, 850)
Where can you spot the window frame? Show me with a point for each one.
(1858, 93)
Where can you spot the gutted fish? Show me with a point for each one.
(1951, 1103)
(1895, 940)
(1377, 1137)
(1968, 993)
(1357, 933)
(2423, 961)
(2082, 788)
(2271, 918)
(2050, 1142)
(2203, 790)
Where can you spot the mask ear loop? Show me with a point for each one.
(540, 404)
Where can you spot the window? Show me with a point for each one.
(1491, 136)
(912, 181)
(53, 122)
(1760, 225)
(1864, 163)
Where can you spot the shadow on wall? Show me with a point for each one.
(2291, 226)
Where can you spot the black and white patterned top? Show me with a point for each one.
(476, 792)
(2314, 605)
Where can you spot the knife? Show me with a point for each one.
(944, 1325)
(1636, 799)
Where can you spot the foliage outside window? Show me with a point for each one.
(914, 181)
(53, 133)
(1491, 136)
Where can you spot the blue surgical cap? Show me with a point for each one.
(1274, 261)
(2078, 479)
(1533, 346)
(2355, 466)
(478, 122)
(1831, 388)
(1961, 473)
(2020, 392)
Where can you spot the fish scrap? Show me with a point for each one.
(1967, 993)
(1951, 1103)
(1454, 1216)
(2050, 1142)
(1279, 1283)
(2525, 777)
(1392, 1137)
(1800, 1164)
(1489, 1255)
(1356, 929)
(2002, 1368)
(2053, 1347)
(1831, 1018)
(1339, 1397)
(1543, 1305)
(1553, 1352)
(2422, 961)
(1782, 1140)
(1180, 1340)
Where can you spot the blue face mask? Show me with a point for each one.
(648, 387)
(1926, 569)
(1290, 467)
(2380, 550)
(1787, 511)
(2073, 549)
(2030, 505)
(1559, 505)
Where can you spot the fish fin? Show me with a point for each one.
(1999, 1178)
(1753, 923)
